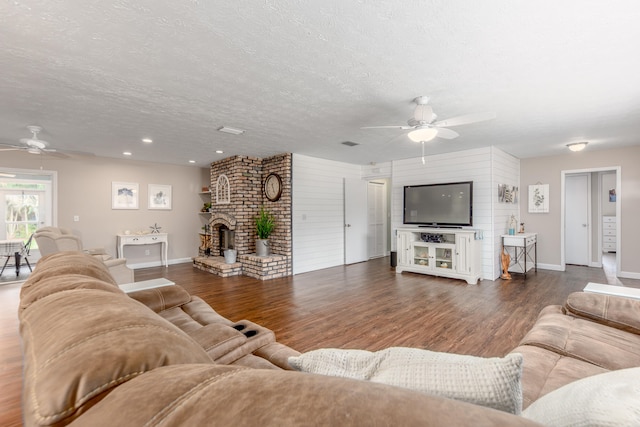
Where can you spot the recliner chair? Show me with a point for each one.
(57, 239)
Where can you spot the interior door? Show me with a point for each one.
(576, 221)
(355, 220)
(376, 217)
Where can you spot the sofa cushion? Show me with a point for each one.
(491, 382)
(61, 284)
(198, 395)
(609, 399)
(544, 371)
(582, 339)
(617, 312)
(67, 267)
(81, 343)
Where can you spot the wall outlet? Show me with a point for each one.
(147, 252)
(76, 218)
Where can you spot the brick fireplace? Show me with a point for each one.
(236, 196)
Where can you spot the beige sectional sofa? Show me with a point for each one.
(94, 355)
(591, 334)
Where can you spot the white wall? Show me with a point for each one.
(505, 169)
(471, 165)
(318, 212)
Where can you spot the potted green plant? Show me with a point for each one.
(265, 224)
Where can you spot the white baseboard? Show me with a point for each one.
(628, 275)
(553, 267)
(158, 263)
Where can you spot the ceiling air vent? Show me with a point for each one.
(349, 143)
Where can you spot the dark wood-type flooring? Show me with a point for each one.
(366, 306)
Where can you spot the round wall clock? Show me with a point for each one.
(273, 187)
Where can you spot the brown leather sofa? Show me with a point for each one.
(591, 334)
(94, 355)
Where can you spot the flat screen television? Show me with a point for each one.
(439, 205)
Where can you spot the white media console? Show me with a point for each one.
(453, 253)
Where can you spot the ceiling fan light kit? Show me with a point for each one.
(423, 134)
(577, 146)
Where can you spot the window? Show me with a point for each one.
(26, 202)
(21, 214)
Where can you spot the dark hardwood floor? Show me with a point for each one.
(366, 306)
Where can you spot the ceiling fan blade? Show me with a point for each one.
(387, 127)
(54, 153)
(465, 120)
(445, 133)
(9, 147)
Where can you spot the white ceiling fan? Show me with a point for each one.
(423, 126)
(32, 145)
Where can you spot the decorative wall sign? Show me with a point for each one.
(159, 196)
(612, 195)
(539, 198)
(124, 195)
(507, 193)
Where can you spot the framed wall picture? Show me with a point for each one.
(124, 195)
(159, 196)
(539, 198)
(507, 193)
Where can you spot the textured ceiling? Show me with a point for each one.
(304, 76)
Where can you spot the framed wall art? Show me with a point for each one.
(539, 198)
(124, 195)
(507, 193)
(159, 196)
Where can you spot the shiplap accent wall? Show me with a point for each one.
(318, 200)
(318, 212)
(506, 170)
(478, 165)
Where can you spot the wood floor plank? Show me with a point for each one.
(365, 305)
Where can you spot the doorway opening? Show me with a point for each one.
(590, 213)
(26, 203)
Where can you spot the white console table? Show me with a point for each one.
(523, 247)
(145, 239)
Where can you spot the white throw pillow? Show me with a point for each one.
(610, 399)
(491, 382)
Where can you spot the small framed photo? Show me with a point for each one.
(159, 196)
(124, 195)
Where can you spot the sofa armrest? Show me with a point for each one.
(113, 262)
(162, 298)
(96, 251)
(616, 312)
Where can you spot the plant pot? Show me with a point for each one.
(230, 256)
(262, 247)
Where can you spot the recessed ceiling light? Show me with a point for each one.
(147, 140)
(192, 161)
(577, 146)
(219, 151)
(126, 153)
(7, 175)
(232, 131)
